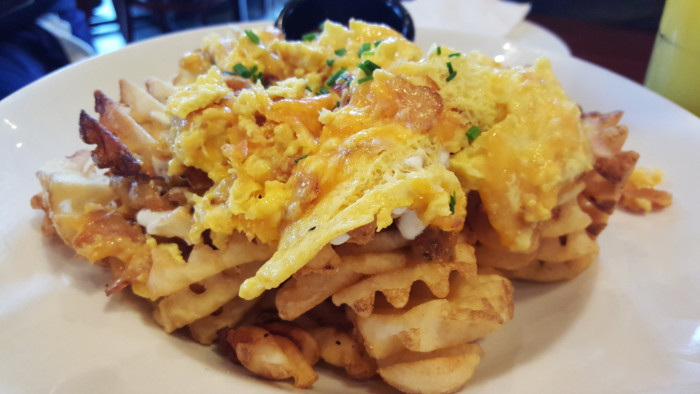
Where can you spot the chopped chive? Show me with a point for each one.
(452, 72)
(331, 81)
(341, 51)
(300, 158)
(365, 79)
(453, 202)
(364, 48)
(439, 51)
(323, 91)
(308, 37)
(368, 67)
(243, 71)
(454, 54)
(472, 133)
(330, 62)
(253, 37)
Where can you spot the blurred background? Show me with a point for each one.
(616, 34)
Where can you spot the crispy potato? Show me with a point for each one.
(159, 89)
(474, 308)
(543, 271)
(440, 371)
(270, 356)
(566, 219)
(205, 330)
(567, 247)
(138, 141)
(396, 284)
(312, 285)
(110, 152)
(69, 187)
(304, 341)
(170, 273)
(340, 349)
(201, 299)
(298, 295)
(145, 109)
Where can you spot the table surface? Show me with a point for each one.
(623, 50)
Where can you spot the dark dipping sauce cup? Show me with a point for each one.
(300, 17)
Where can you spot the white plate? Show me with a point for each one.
(631, 323)
(535, 36)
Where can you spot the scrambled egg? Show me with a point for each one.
(305, 141)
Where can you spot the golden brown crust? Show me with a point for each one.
(110, 152)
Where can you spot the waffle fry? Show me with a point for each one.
(440, 371)
(395, 284)
(474, 308)
(205, 329)
(339, 348)
(271, 356)
(201, 299)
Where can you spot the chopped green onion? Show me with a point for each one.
(253, 37)
(308, 37)
(453, 202)
(330, 62)
(439, 51)
(376, 43)
(472, 133)
(341, 51)
(368, 67)
(452, 72)
(298, 159)
(331, 81)
(364, 48)
(454, 54)
(243, 71)
(323, 90)
(365, 79)
(337, 105)
(307, 88)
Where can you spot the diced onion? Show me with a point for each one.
(341, 239)
(409, 225)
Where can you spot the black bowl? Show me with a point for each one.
(299, 17)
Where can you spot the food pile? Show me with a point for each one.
(345, 198)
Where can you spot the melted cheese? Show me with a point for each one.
(526, 155)
(299, 163)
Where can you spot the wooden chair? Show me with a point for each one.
(160, 8)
